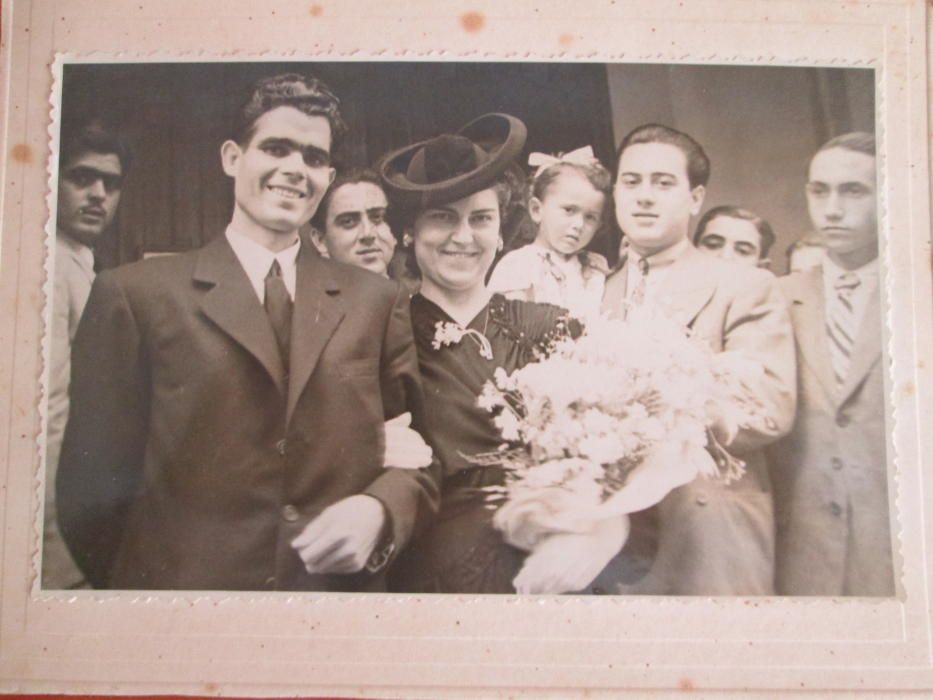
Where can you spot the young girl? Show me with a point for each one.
(569, 196)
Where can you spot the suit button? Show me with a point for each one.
(842, 420)
(835, 509)
(290, 513)
(280, 447)
(702, 499)
(837, 463)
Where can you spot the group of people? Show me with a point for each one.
(275, 411)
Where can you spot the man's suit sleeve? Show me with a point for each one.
(758, 325)
(102, 453)
(411, 496)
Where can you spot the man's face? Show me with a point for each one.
(842, 200)
(730, 238)
(88, 195)
(283, 172)
(653, 197)
(355, 229)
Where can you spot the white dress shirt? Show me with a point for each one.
(257, 260)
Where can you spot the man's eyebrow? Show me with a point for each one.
(92, 169)
(280, 140)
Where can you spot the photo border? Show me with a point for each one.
(387, 644)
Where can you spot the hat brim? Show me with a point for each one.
(501, 136)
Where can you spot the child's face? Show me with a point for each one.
(569, 214)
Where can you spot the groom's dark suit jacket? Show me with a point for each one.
(191, 459)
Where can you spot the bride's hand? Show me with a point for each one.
(405, 448)
(567, 562)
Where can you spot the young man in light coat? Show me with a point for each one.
(711, 538)
(834, 533)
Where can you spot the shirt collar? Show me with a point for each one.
(867, 272)
(662, 258)
(556, 259)
(257, 259)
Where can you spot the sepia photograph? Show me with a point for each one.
(460, 350)
(592, 328)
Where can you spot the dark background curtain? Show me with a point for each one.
(176, 196)
(760, 126)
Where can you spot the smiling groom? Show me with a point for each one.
(228, 403)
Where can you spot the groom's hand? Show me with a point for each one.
(341, 539)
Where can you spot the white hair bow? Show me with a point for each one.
(543, 161)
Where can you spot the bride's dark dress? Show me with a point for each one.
(461, 552)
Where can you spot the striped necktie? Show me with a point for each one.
(842, 325)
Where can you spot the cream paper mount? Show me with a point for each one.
(380, 645)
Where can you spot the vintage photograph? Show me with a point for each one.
(467, 327)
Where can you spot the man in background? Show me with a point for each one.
(92, 164)
(733, 233)
(830, 472)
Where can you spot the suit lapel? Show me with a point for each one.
(867, 349)
(687, 286)
(232, 304)
(315, 317)
(808, 312)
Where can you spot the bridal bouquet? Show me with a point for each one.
(609, 423)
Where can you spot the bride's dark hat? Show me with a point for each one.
(452, 166)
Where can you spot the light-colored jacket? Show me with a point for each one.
(713, 538)
(830, 472)
(74, 275)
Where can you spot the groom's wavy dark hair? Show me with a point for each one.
(304, 93)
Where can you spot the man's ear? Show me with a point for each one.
(317, 239)
(230, 153)
(534, 209)
(697, 194)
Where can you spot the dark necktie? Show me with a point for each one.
(279, 308)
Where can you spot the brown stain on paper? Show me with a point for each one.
(472, 21)
(316, 10)
(566, 39)
(21, 153)
(686, 684)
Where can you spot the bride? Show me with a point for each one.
(450, 194)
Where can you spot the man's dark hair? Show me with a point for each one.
(765, 232)
(92, 136)
(304, 93)
(858, 141)
(347, 177)
(698, 167)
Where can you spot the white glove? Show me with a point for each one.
(405, 448)
(567, 562)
